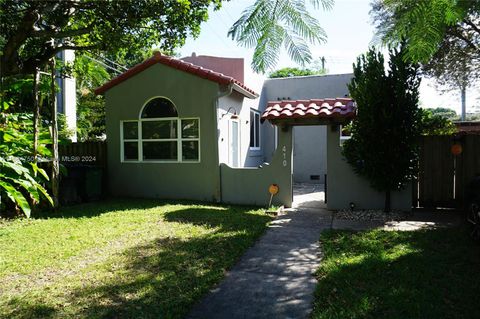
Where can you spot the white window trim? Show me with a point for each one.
(344, 138)
(275, 137)
(259, 147)
(239, 142)
(179, 140)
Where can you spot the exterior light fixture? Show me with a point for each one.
(352, 206)
(234, 115)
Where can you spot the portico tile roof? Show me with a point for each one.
(315, 108)
(179, 65)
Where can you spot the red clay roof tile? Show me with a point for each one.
(177, 64)
(320, 108)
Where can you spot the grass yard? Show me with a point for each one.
(381, 274)
(121, 258)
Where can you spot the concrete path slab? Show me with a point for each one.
(274, 279)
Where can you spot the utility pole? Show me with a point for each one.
(464, 103)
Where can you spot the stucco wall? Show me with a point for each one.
(310, 142)
(344, 186)
(250, 185)
(234, 101)
(309, 153)
(194, 97)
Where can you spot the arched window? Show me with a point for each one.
(159, 107)
(159, 135)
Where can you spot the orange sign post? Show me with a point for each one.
(456, 149)
(273, 190)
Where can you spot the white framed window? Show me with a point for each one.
(254, 130)
(160, 136)
(275, 132)
(345, 133)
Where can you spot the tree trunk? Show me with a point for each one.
(55, 163)
(36, 113)
(387, 201)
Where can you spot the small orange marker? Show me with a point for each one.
(273, 190)
(456, 149)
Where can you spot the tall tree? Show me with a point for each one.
(423, 25)
(267, 25)
(34, 31)
(444, 35)
(383, 143)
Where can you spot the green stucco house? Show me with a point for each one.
(179, 130)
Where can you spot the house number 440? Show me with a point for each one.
(284, 153)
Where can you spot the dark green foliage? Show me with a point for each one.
(28, 28)
(289, 72)
(20, 177)
(445, 112)
(435, 124)
(423, 25)
(383, 144)
(90, 107)
(443, 35)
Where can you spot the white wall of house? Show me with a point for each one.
(309, 149)
(227, 107)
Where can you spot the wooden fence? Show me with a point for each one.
(85, 153)
(444, 177)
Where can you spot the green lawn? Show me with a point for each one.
(380, 274)
(120, 259)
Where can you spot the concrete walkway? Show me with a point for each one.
(274, 279)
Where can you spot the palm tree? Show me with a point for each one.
(268, 24)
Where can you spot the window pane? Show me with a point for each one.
(190, 151)
(130, 151)
(160, 151)
(257, 130)
(159, 107)
(252, 129)
(190, 128)
(159, 129)
(130, 130)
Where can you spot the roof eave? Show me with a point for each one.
(334, 120)
(245, 92)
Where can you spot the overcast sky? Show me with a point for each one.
(350, 33)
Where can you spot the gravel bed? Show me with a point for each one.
(370, 214)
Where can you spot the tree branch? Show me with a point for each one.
(470, 43)
(29, 65)
(21, 33)
(61, 34)
(472, 25)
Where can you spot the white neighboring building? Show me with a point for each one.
(67, 95)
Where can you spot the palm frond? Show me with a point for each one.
(297, 48)
(267, 24)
